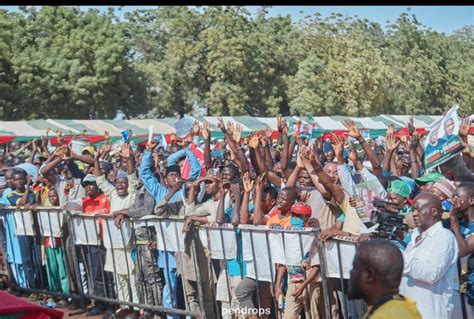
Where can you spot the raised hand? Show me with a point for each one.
(196, 128)
(150, 146)
(352, 129)
(390, 142)
(465, 126)
(338, 145)
(248, 184)
(390, 129)
(411, 125)
(237, 133)
(206, 131)
(268, 133)
(282, 125)
(415, 141)
(221, 125)
(261, 181)
(125, 150)
(253, 142)
(300, 158)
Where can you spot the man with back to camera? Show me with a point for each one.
(430, 272)
(375, 277)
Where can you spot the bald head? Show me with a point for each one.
(427, 211)
(429, 200)
(384, 258)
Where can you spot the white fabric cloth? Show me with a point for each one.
(169, 234)
(218, 241)
(50, 222)
(114, 237)
(260, 268)
(430, 275)
(348, 250)
(85, 232)
(286, 247)
(23, 223)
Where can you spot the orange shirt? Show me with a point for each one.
(276, 220)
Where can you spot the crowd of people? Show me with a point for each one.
(271, 178)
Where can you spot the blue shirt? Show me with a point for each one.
(237, 266)
(159, 191)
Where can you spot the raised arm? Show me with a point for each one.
(244, 211)
(235, 190)
(51, 163)
(151, 183)
(206, 134)
(258, 217)
(371, 156)
(415, 169)
(324, 178)
(233, 139)
(391, 146)
(466, 246)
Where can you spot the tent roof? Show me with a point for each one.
(37, 128)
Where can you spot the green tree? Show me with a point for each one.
(70, 63)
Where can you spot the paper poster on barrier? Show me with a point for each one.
(348, 250)
(219, 241)
(50, 223)
(85, 230)
(23, 223)
(364, 193)
(169, 234)
(443, 142)
(115, 237)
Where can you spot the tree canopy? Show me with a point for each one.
(61, 62)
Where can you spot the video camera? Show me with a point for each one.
(390, 221)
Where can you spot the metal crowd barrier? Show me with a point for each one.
(116, 265)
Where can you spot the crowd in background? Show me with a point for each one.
(265, 178)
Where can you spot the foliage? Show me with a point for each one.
(60, 62)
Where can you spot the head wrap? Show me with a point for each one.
(121, 174)
(445, 186)
(399, 187)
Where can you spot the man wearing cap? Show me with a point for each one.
(121, 196)
(159, 191)
(425, 182)
(97, 202)
(444, 189)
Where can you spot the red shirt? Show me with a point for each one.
(97, 205)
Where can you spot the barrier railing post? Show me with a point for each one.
(198, 271)
(323, 268)
(341, 278)
(82, 299)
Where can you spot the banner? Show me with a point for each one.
(364, 193)
(303, 129)
(443, 142)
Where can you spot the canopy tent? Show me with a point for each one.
(94, 129)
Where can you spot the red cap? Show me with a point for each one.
(301, 208)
